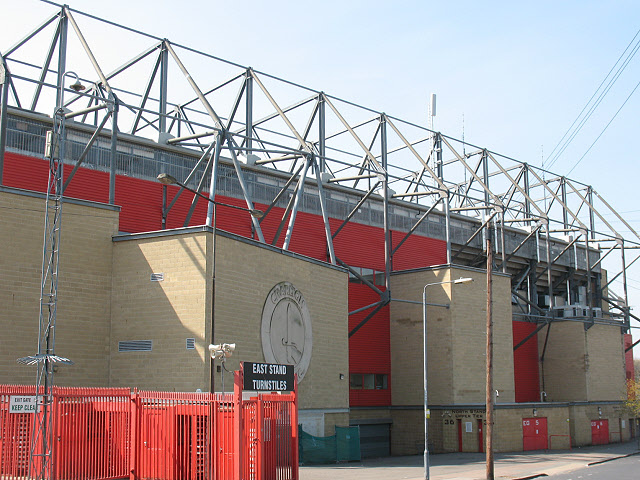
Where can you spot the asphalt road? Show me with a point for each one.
(620, 469)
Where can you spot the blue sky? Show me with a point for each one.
(519, 72)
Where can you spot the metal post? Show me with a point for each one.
(213, 296)
(114, 149)
(4, 102)
(321, 131)
(385, 206)
(549, 276)
(164, 73)
(627, 319)
(489, 354)
(447, 224)
(212, 183)
(248, 96)
(424, 366)
(502, 243)
(62, 56)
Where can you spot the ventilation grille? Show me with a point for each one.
(157, 277)
(191, 343)
(135, 346)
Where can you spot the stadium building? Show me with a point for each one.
(329, 224)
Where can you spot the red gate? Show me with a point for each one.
(599, 432)
(105, 434)
(534, 434)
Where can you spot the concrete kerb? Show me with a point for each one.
(470, 466)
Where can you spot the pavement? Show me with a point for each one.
(472, 466)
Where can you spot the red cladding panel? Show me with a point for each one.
(369, 349)
(417, 251)
(525, 363)
(628, 357)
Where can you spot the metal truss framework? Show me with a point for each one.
(260, 123)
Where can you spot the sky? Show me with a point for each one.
(512, 75)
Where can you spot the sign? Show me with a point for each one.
(286, 328)
(22, 404)
(268, 377)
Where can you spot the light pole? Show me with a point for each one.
(424, 366)
(167, 179)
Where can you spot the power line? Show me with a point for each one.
(604, 129)
(575, 131)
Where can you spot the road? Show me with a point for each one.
(620, 469)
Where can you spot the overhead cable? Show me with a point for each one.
(571, 132)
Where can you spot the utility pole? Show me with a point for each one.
(489, 397)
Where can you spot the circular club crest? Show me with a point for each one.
(286, 328)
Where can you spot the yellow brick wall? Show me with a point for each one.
(166, 312)
(456, 337)
(563, 374)
(406, 339)
(469, 314)
(583, 365)
(84, 288)
(606, 364)
(245, 274)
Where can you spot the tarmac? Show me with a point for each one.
(472, 466)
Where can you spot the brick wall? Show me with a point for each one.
(166, 312)
(84, 288)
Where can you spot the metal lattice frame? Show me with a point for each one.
(324, 144)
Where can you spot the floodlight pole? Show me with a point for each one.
(424, 366)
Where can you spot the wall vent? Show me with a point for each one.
(135, 346)
(157, 277)
(191, 343)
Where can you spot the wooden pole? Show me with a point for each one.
(489, 397)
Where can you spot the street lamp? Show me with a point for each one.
(221, 351)
(424, 350)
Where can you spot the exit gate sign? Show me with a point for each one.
(22, 404)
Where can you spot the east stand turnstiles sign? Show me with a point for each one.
(268, 377)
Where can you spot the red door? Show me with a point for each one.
(534, 433)
(599, 432)
(459, 435)
(480, 439)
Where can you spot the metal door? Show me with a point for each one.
(599, 432)
(534, 434)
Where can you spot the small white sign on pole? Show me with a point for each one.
(22, 404)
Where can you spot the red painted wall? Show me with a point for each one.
(525, 363)
(369, 348)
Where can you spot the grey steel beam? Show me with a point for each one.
(163, 58)
(4, 103)
(325, 215)
(85, 45)
(475, 234)
(87, 147)
(114, 148)
(379, 307)
(385, 205)
(45, 68)
(296, 203)
(415, 226)
(355, 209)
(245, 190)
(205, 103)
(555, 196)
(248, 127)
(33, 33)
(322, 133)
(62, 55)
(592, 211)
(416, 154)
(213, 181)
(370, 155)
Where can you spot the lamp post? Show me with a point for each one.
(167, 179)
(424, 351)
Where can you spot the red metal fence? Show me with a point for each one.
(102, 434)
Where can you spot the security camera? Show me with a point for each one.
(222, 351)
